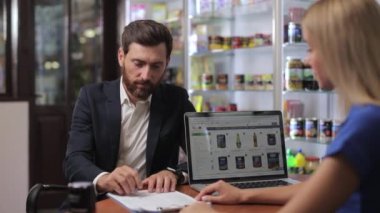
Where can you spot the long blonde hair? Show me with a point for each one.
(346, 36)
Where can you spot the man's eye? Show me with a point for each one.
(137, 64)
(156, 67)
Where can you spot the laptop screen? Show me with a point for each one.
(235, 145)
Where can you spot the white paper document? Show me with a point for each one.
(143, 201)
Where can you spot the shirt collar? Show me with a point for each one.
(125, 99)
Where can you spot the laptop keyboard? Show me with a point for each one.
(260, 184)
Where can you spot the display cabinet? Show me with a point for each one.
(250, 55)
(229, 54)
(312, 116)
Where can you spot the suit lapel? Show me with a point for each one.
(113, 110)
(156, 114)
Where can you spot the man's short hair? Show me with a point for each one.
(147, 33)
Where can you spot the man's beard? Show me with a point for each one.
(141, 93)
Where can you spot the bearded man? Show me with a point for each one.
(125, 134)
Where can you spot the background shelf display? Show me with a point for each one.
(309, 140)
(316, 103)
(308, 147)
(230, 40)
(231, 52)
(232, 55)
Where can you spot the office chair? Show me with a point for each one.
(32, 201)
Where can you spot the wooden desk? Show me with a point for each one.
(108, 205)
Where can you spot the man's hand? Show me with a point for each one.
(163, 181)
(123, 180)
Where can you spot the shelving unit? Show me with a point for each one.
(319, 104)
(308, 147)
(232, 39)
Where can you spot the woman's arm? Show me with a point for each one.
(272, 195)
(222, 192)
(334, 181)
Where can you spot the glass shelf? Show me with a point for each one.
(222, 91)
(284, 92)
(298, 3)
(213, 53)
(232, 52)
(233, 11)
(307, 140)
(295, 45)
(257, 8)
(209, 20)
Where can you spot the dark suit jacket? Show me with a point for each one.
(94, 136)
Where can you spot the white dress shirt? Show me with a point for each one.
(133, 134)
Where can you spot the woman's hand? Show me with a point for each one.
(220, 192)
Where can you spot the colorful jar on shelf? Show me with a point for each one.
(309, 83)
(215, 42)
(293, 74)
(311, 128)
(239, 82)
(227, 43)
(294, 32)
(236, 42)
(325, 130)
(297, 126)
(222, 81)
(207, 81)
(312, 164)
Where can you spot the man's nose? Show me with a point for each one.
(146, 73)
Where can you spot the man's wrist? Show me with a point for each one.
(95, 183)
(180, 177)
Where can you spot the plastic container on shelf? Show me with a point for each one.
(311, 128)
(222, 81)
(325, 130)
(294, 32)
(290, 160)
(207, 81)
(309, 83)
(293, 74)
(239, 82)
(300, 162)
(297, 128)
(312, 163)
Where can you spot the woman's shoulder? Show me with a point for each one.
(368, 113)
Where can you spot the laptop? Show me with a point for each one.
(244, 148)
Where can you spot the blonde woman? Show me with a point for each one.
(344, 41)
